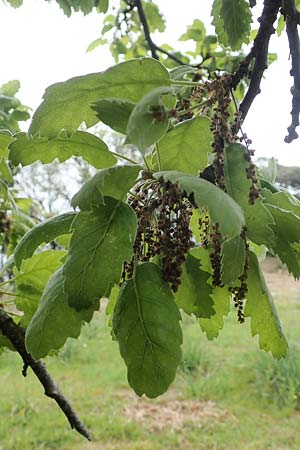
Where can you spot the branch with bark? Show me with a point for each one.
(16, 336)
(292, 20)
(258, 53)
(154, 49)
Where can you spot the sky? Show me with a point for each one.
(41, 46)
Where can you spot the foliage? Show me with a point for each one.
(176, 232)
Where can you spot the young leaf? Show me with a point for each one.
(113, 182)
(258, 218)
(233, 259)
(222, 208)
(195, 32)
(186, 147)
(114, 112)
(42, 233)
(212, 326)
(32, 278)
(66, 105)
(27, 149)
(102, 240)
(148, 121)
(193, 295)
(146, 325)
(260, 307)
(54, 320)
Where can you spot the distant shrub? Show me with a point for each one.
(279, 381)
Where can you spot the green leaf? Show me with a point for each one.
(233, 259)
(114, 112)
(193, 295)
(66, 105)
(26, 149)
(285, 210)
(103, 6)
(222, 208)
(102, 240)
(113, 182)
(146, 325)
(15, 3)
(218, 22)
(282, 200)
(186, 147)
(154, 17)
(232, 20)
(65, 6)
(220, 296)
(179, 72)
(54, 320)
(264, 318)
(149, 120)
(42, 233)
(269, 171)
(32, 278)
(94, 44)
(5, 141)
(212, 326)
(195, 32)
(10, 88)
(258, 218)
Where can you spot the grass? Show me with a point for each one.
(227, 395)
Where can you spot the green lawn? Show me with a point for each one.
(227, 395)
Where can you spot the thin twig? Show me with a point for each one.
(16, 336)
(292, 18)
(258, 53)
(152, 46)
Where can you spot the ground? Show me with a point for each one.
(228, 394)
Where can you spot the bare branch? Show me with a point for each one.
(292, 20)
(16, 336)
(152, 46)
(258, 53)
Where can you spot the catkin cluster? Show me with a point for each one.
(163, 231)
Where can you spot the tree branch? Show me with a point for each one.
(292, 20)
(152, 46)
(16, 335)
(259, 52)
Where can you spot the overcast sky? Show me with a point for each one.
(40, 46)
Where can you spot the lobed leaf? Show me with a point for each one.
(193, 294)
(66, 105)
(264, 318)
(211, 326)
(32, 278)
(54, 320)
(258, 218)
(232, 20)
(102, 240)
(42, 233)
(113, 182)
(220, 297)
(222, 208)
(146, 325)
(28, 149)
